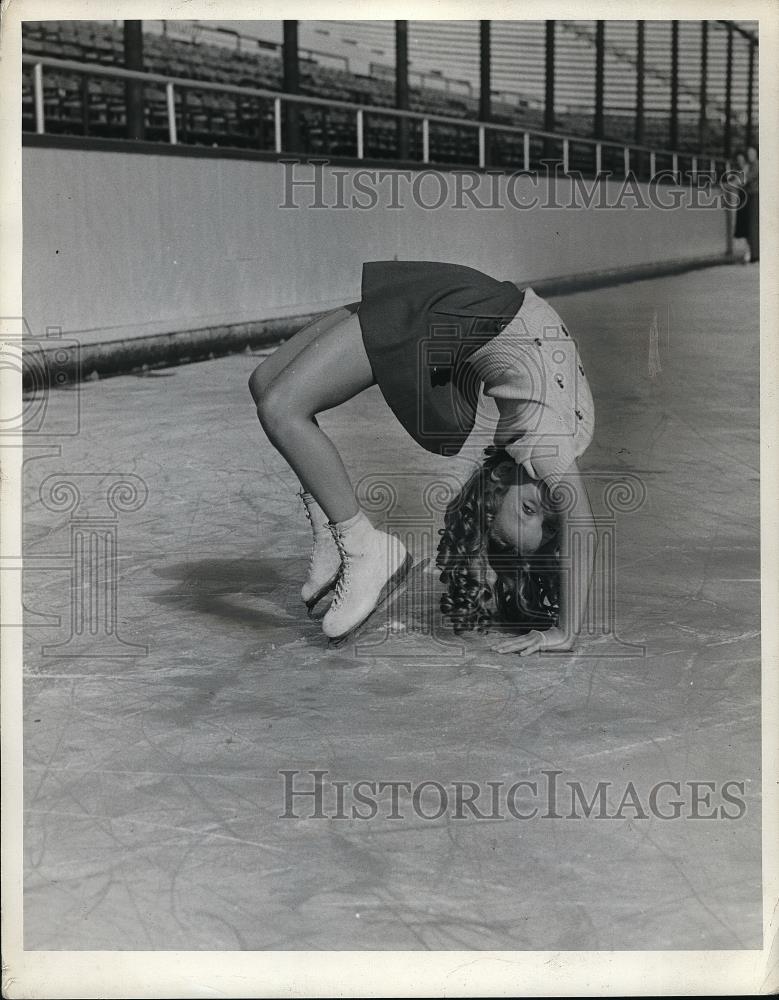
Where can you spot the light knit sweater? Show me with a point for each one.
(533, 372)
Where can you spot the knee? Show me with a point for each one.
(271, 400)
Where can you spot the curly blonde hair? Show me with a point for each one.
(486, 580)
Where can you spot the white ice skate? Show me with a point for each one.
(373, 565)
(324, 563)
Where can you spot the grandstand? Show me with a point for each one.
(599, 87)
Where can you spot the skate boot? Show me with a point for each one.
(324, 563)
(373, 564)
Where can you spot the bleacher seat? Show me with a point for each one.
(222, 119)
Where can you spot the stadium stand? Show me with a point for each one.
(76, 104)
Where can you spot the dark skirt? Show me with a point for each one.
(420, 323)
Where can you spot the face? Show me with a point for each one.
(519, 521)
(751, 154)
(740, 159)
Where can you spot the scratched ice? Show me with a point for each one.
(152, 788)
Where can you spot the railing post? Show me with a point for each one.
(277, 124)
(402, 93)
(674, 122)
(291, 84)
(425, 140)
(626, 159)
(37, 84)
(695, 166)
(171, 100)
(750, 94)
(639, 129)
(652, 164)
(600, 35)
(703, 99)
(360, 138)
(675, 164)
(485, 88)
(565, 156)
(726, 131)
(135, 111)
(598, 158)
(526, 152)
(485, 66)
(549, 85)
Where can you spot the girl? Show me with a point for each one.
(430, 335)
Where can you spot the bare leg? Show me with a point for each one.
(275, 363)
(331, 367)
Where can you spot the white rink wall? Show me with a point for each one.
(123, 244)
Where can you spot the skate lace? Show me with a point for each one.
(313, 543)
(342, 583)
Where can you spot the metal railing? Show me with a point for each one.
(700, 163)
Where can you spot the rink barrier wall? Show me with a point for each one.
(138, 354)
(142, 257)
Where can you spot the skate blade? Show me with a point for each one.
(312, 602)
(387, 591)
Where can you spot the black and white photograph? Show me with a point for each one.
(389, 490)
